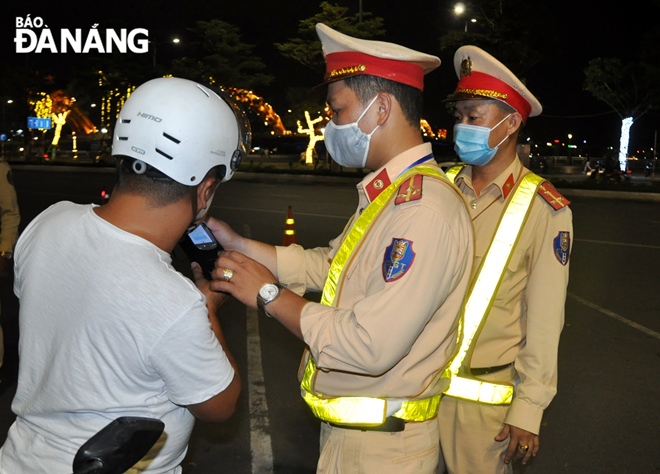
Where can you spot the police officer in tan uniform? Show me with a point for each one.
(9, 221)
(393, 282)
(519, 339)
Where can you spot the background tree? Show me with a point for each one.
(222, 58)
(504, 28)
(306, 48)
(631, 89)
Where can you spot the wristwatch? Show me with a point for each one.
(268, 293)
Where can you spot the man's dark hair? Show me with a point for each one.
(410, 98)
(159, 189)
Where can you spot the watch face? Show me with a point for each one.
(268, 291)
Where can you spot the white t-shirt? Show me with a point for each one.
(108, 328)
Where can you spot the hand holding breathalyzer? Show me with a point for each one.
(200, 246)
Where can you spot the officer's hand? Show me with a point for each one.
(214, 299)
(224, 234)
(518, 440)
(240, 276)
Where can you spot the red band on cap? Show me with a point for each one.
(485, 85)
(351, 63)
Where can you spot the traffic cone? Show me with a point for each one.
(289, 229)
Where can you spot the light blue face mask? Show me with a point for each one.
(471, 143)
(347, 144)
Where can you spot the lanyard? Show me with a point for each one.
(421, 160)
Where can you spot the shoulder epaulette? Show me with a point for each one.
(548, 192)
(410, 190)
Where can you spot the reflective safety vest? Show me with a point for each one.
(364, 410)
(482, 294)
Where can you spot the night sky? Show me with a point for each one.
(578, 32)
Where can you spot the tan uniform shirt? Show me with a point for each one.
(391, 332)
(9, 215)
(527, 316)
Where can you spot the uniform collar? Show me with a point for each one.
(504, 183)
(377, 181)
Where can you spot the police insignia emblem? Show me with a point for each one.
(466, 67)
(398, 259)
(561, 246)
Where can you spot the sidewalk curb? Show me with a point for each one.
(353, 180)
(623, 195)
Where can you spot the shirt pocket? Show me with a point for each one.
(515, 261)
(352, 266)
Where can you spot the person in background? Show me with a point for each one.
(10, 218)
(506, 373)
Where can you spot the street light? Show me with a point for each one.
(459, 10)
(156, 43)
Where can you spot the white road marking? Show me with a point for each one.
(260, 441)
(616, 316)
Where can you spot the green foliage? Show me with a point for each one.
(306, 49)
(504, 28)
(222, 58)
(631, 89)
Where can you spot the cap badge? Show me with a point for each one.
(466, 67)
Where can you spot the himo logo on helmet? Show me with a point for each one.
(138, 150)
(33, 36)
(149, 117)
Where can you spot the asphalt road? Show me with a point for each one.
(603, 420)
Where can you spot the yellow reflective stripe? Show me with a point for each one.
(361, 226)
(364, 410)
(419, 410)
(480, 391)
(453, 172)
(482, 294)
(354, 410)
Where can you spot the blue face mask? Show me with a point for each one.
(471, 143)
(347, 144)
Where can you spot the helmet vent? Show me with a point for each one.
(122, 138)
(125, 120)
(205, 93)
(170, 137)
(164, 154)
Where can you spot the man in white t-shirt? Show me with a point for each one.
(108, 327)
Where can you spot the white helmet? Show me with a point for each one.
(182, 129)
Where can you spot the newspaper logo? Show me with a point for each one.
(34, 36)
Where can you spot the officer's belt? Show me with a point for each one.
(489, 370)
(392, 425)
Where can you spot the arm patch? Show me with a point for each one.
(398, 259)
